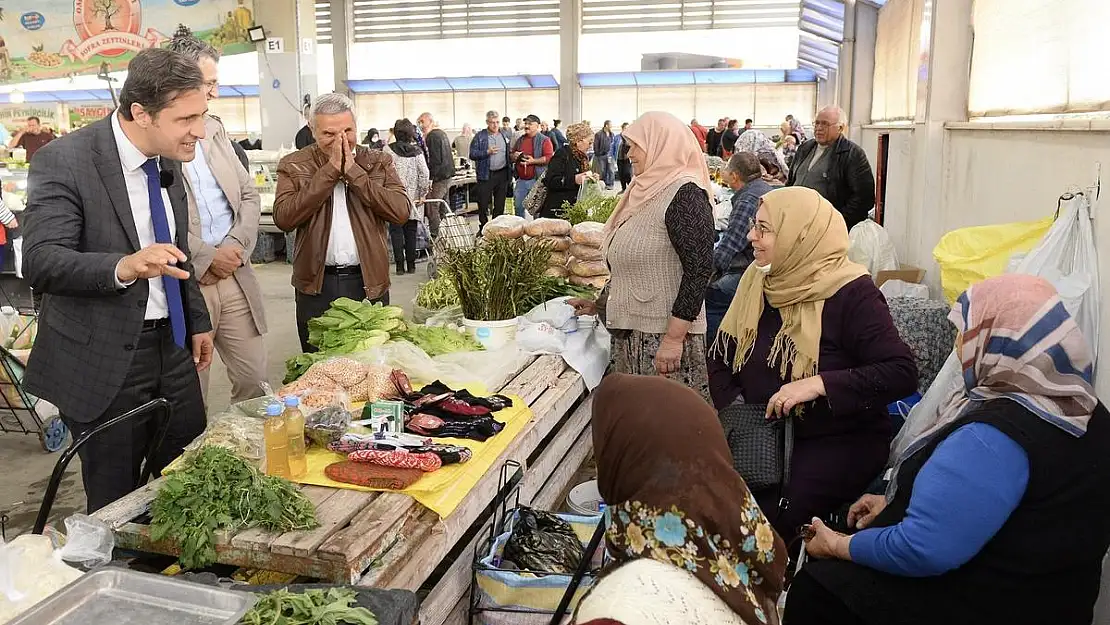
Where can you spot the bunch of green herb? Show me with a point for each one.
(349, 326)
(498, 279)
(594, 208)
(553, 287)
(296, 366)
(215, 490)
(312, 607)
(437, 293)
(437, 341)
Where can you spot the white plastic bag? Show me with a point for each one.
(30, 571)
(89, 542)
(900, 288)
(871, 247)
(1067, 258)
(17, 249)
(540, 338)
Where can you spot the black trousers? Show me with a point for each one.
(624, 173)
(334, 287)
(404, 245)
(111, 461)
(810, 603)
(494, 191)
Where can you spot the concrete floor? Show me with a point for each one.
(26, 467)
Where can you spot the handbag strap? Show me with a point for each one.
(787, 460)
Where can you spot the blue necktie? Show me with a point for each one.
(171, 285)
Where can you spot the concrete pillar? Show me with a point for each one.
(857, 64)
(570, 92)
(285, 77)
(827, 90)
(341, 37)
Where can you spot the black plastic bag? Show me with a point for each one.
(542, 542)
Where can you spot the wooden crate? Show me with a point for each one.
(389, 540)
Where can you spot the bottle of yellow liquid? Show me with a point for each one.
(276, 437)
(294, 425)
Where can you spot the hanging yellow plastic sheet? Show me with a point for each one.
(970, 255)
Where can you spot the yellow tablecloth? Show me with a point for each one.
(442, 490)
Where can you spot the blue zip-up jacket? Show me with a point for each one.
(479, 152)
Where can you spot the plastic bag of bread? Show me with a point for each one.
(558, 259)
(344, 371)
(504, 226)
(558, 244)
(597, 282)
(587, 233)
(545, 227)
(589, 268)
(376, 385)
(586, 252)
(557, 272)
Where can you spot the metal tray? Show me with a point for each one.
(115, 596)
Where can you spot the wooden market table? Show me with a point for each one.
(388, 540)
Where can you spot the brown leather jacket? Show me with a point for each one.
(375, 195)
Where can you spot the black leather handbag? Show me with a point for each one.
(761, 449)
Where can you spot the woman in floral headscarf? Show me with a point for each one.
(568, 170)
(998, 514)
(690, 542)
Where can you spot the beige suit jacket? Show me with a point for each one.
(246, 205)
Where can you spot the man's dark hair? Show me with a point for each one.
(749, 121)
(746, 165)
(555, 122)
(505, 120)
(404, 131)
(34, 117)
(155, 78)
(732, 123)
(185, 43)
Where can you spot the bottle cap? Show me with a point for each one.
(292, 401)
(273, 410)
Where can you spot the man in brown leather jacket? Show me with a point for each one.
(338, 253)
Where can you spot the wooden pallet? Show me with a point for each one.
(388, 540)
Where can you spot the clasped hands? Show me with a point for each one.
(342, 157)
(823, 542)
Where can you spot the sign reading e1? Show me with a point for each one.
(275, 45)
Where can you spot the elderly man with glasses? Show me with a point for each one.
(835, 167)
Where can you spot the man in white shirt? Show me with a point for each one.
(123, 321)
(338, 196)
(224, 208)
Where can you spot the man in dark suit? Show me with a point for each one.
(123, 320)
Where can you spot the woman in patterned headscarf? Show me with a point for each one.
(690, 542)
(999, 514)
(568, 170)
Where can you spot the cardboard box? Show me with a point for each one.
(905, 273)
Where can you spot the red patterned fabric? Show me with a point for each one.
(397, 459)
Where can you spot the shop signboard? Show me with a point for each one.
(42, 39)
(14, 116)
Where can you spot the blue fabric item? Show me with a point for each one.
(479, 151)
(216, 216)
(963, 495)
(735, 250)
(162, 235)
(615, 147)
(520, 191)
(718, 298)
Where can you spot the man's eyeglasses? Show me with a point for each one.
(823, 124)
(759, 228)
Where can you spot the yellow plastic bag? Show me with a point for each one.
(971, 255)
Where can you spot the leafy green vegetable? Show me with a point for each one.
(436, 341)
(313, 607)
(593, 208)
(497, 279)
(296, 366)
(437, 294)
(215, 489)
(552, 287)
(348, 325)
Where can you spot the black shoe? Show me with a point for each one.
(411, 269)
(400, 270)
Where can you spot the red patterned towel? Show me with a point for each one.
(399, 459)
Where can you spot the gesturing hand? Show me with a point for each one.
(152, 262)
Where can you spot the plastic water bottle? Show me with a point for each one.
(294, 425)
(276, 437)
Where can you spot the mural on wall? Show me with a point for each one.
(42, 39)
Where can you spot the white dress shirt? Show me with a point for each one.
(216, 217)
(132, 159)
(342, 250)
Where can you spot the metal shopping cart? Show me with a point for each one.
(454, 233)
(21, 412)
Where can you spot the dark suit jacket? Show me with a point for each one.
(851, 183)
(77, 226)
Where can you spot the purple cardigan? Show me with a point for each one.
(864, 363)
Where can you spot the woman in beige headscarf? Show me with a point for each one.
(659, 247)
(809, 334)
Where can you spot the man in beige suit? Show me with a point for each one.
(224, 208)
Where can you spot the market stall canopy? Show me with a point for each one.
(474, 83)
(102, 95)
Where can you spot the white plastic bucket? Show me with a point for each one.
(491, 334)
(585, 499)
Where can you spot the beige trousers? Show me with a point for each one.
(241, 347)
